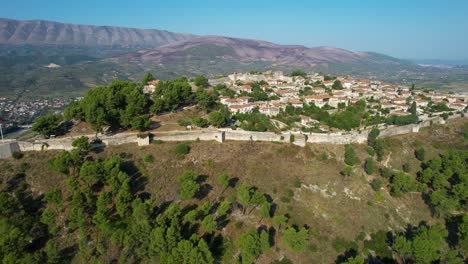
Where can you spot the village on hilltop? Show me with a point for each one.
(330, 93)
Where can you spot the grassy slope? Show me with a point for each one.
(273, 168)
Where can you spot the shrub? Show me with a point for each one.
(370, 166)
(200, 122)
(188, 186)
(420, 153)
(296, 240)
(82, 144)
(297, 183)
(183, 122)
(182, 149)
(350, 155)
(376, 184)
(371, 151)
(156, 141)
(401, 184)
(149, 158)
(217, 119)
(143, 135)
(347, 171)
(292, 138)
(386, 172)
(340, 244)
(17, 155)
(324, 156)
(406, 167)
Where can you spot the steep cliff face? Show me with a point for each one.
(36, 32)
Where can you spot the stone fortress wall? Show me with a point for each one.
(222, 135)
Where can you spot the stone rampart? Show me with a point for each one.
(7, 149)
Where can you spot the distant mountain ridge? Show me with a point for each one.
(37, 32)
(242, 51)
(96, 55)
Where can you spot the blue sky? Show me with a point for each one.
(405, 29)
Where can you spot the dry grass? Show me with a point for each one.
(274, 168)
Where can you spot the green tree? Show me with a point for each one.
(401, 183)
(250, 246)
(223, 180)
(280, 220)
(217, 119)
(204, 99)
(354, 260)
(370, 167)
(200, 122)
(188, 186)
(337, 85)
(296, 240)
(376, 184)
(350, 157)
(224, 208)
(264, 241)
(52, 252)
(298, 73)
(209, 224)
(47, 125)
(182, 149)
(82, 144)
(147, 78)
(347, 170)
(201, 81)
(372, 137)
(265, 209)
(420, 153)
(413, 109)
(171, 95)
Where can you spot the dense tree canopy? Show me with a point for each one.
(201, 81)
(119, 105)
(47, 125)
(172, 94)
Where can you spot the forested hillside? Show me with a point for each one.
(395, 200)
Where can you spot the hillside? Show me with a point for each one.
(242, 51)
(40, 32)
(87, 56)
(304, 183)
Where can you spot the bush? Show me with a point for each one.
(370, 166)
(377, 184)
(149, 158)
(200, 122)
(217, 119)
(297, 183)
(350, 157)
(292, 138)
(420, 153)
(17, 155)
(347, 171)
(406, 167)
(386, 172)
(324, 156)
(156, 141)
(182, 149)
(183, 122)
(371, 151)
(401, 184)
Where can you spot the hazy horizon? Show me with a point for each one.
(428, 30)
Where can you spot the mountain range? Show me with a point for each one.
(83, 56)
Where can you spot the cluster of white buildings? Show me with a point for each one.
(397, 99)
(24, 111)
